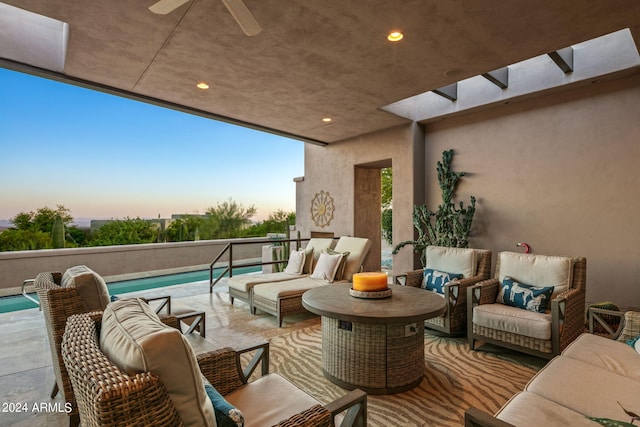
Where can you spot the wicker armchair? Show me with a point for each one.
(454, 320)
(109, 397)
(57, 304)
(520, 329)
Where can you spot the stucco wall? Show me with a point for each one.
(561, 173)
(118, 261)
(332, 169)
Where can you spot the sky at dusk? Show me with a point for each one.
(103, 156)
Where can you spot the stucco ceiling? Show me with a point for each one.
(315, 59)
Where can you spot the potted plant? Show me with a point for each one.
(449, 225)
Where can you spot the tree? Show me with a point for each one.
(387, 202)
(184, 229)
(15, 239)
(230, 218)
(125, 232)
(42, 219)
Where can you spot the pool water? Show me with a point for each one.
(19, 302)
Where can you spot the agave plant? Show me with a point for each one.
(449, 225)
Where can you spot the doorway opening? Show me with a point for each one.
(368, 196)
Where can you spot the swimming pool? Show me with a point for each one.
(19, 302)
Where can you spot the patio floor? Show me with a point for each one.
(26, 374)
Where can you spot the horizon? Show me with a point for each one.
(106, 157)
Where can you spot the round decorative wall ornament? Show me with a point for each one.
(322, 208)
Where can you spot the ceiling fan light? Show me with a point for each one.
(395, 36)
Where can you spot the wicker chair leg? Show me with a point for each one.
(54, 392)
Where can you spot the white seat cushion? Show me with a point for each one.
(272, 291)
(246, 282)
(526, 409)
(585, 388)
(135, 340)
(537, 270)
(513, 320)
(269, 400)
(605, 353)
(452, 260)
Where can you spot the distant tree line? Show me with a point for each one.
(48, 228)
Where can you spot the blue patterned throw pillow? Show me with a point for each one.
(435, 280)
(532, 298)
(227, 415)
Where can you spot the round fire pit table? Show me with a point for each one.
(376, 345)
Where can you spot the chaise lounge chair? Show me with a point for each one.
(285, 297)
(240, 287)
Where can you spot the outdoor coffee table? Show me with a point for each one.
(376, 345)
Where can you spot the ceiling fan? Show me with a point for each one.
(237, 8)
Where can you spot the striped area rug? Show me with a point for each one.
(456, 378)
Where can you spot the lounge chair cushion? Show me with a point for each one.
(296, 262)
(358, 248)
(537, 270)
(273, 291)
(135, 340)
(263, 403)
(513, 320)
(90, 286)
(245, 282)
(453, 260)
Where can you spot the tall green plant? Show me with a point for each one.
(57, 232)
(450, 225)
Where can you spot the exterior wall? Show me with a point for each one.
(119, 262)
(561, 173)
(332, 169)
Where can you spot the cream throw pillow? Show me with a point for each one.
(296, 262)
(327, 266)
(135, 340)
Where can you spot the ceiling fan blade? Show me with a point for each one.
(164, 7)
(243, 16)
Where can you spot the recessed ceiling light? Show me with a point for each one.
(326, 119)
(395, 36)
(202, 85)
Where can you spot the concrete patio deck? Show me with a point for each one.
(26, 374)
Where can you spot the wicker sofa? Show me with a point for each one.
(595, 376)
(127, 368)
